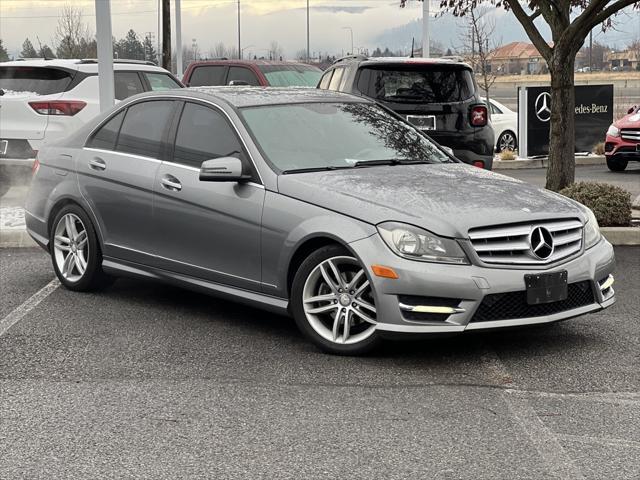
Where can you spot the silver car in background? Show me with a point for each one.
(317, 204)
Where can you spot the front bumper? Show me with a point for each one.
(619, 148)
(469, 285)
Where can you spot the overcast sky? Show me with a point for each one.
(213, 21)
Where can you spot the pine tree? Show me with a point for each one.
(149, 51)
(46, 52)
(27, 50)
(4, 56)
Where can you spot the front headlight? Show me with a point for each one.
(415, 243)
(591, 230)
(613, 131)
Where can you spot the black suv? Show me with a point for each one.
(438, 96)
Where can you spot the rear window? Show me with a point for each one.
(417, 84)
(38, 80)
(208, 75)
(291, 75)
(160, 81)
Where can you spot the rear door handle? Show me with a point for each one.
(97, 164)
(171, 183)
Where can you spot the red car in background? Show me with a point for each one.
(264, 73)
(622, 144)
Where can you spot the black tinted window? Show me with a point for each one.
(127, 84)
(143, 128)
(204, 134)
(43, 81)
(417, 84)
(241, 74)
(208, 75)
(106, 137)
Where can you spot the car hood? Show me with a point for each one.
(631, 120)
(445, 199)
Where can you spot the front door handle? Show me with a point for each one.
(97, 164)
(171, 183)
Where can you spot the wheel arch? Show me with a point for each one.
(65, 201)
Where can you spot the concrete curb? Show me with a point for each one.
(16, 238)
(543, 162)
(622, 235)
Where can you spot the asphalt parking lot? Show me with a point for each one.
(149, 381)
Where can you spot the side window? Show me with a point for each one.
(160, 81)
(203, 134)
(209, 75)
(107, 135)
(127, 84)
(335, 80)
(143, 128)
(324, 81)
(242, 74)
(494, 108)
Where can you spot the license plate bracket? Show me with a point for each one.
(422, 122)
(546, 287)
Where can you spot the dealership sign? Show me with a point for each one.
(593, 115)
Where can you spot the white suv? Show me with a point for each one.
(44, 100)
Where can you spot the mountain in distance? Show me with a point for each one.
(448, 30)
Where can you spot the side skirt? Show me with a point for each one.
(119, 267)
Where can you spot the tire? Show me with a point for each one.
(506, 138)
(616, 165)
(85, 247)
(323, 321)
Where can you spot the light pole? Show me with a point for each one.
(350, 30)
(425, 29)
(239, 49)
(178, 38)
(105, 54)
(308, 56)
(244, 48)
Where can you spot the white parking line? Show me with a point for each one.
(25, 307)
(544, 440)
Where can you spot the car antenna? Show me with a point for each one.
(412, 40)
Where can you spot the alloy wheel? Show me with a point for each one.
(71, 247)
(338, 301)
(507, 141)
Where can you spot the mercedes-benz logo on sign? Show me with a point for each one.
(541, 242)
(543, 107)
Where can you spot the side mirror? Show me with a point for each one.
(238, 83)
(223, 169)
(448, 150)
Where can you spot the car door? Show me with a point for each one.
(116, 174)
(209, 230)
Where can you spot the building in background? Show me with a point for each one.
(517, 58)
(626, 60)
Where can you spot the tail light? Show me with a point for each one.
(478, 163)
(36, 166)
(64, 107)
(479, 115)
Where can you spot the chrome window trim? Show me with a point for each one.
(140, 157)
(183, 98)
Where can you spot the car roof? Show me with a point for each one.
(83, 65)
(242, 96)
(226, 61)
(378, 61)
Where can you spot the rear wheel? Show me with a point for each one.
(75, 251)
(616, 164)
(507, 141)
(333, 302)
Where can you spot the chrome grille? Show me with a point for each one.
(510, 244)
(627, 134)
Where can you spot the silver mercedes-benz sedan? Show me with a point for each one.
(321, 205)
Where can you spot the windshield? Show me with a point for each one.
(417, 84)
(41, 81)
(335, 135)
(291, 75)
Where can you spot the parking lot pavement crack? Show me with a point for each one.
(25, 307)
(599, 441)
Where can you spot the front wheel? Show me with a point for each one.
(333, 302)
(616, 165)
(75, 251)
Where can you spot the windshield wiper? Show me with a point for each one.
(388, 161)
(313, 169)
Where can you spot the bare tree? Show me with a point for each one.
(72, 36)
(275, 50)
(478, 44)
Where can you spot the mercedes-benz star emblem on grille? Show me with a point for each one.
(543, 107)
(541, 242)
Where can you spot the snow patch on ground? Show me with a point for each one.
(12, 218)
